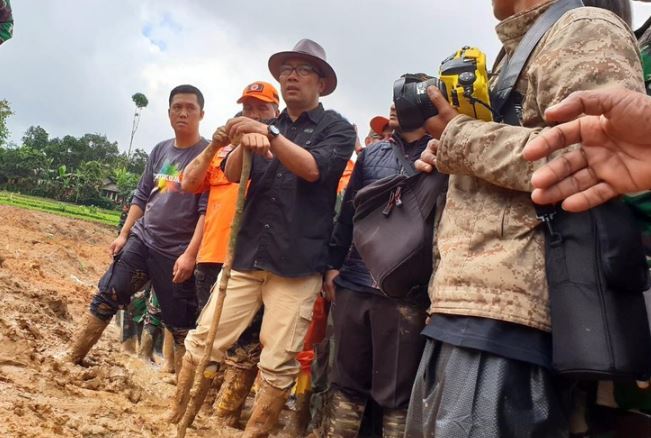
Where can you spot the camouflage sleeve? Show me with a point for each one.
(570, 58)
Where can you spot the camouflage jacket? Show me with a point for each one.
(490, 248)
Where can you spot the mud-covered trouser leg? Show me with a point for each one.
(127, 275)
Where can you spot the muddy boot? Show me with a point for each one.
(146, 346)
(269, 401)
(90, 334)
(199, 392)
(130, 345)
(168, 352)
(179, 352)
(393, 423)
(213, 392)
(235, 389)
(300, 418)
(344, 415)
(183, 386)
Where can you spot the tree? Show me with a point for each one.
(141, 102)
(5, 112)
(36, 138)
(138, 161)
(98, 148)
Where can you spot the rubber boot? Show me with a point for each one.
(300, 417)
(393, 423)
(146, 346)
(168, 352)
(90, 334)
(183, 386)
(269, 402)
(199, 392)
(179, 352)
(235, 389)
(129, 345)
(213, 392)
(344, 415)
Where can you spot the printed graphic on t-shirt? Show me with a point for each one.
(169, 178)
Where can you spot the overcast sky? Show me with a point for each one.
(73, 65)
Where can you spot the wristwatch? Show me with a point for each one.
(272, 132)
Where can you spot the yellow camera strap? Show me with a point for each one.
(512, 69)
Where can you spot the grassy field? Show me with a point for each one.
(83, 212)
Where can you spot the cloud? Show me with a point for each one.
(73, 66)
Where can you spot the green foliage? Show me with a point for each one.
(72, 169)
(5, 112)
(89, 213)
(36, 138)
(126, 182)
(140, 100)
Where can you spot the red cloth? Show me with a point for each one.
(315, 333)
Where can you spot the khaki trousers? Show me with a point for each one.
(288, 304)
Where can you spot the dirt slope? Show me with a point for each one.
(49, 266)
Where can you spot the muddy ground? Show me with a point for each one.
(49, 266)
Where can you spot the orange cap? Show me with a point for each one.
(379, 124)
(263, 91)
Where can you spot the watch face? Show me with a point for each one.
(273, 130)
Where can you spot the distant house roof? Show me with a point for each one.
(110, 186)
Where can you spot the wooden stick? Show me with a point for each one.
(223, 283)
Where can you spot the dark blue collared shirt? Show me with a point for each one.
(287, 221)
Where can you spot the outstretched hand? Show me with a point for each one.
(615, 153)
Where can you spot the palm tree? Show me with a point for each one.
(141, 102)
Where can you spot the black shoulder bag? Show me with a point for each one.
(595, 263)
(394, 227)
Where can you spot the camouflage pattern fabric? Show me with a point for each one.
(393, 423)
(153, 315)
(245, 353)
(343, 417)
(490, 242)
(6, 21)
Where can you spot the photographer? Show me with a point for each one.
(377, 338)
(488, 354)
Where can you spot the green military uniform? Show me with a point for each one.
(6, 21)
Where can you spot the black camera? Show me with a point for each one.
(413, 106)
(463, 81)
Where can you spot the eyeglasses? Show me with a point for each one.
(301, 70)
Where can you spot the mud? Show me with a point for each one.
(49, 266)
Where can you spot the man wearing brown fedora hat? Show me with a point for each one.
(282, 246)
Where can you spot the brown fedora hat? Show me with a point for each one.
(312, 52)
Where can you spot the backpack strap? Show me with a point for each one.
(511, 72)
(406, 165)
(639, 32)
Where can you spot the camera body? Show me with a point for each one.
(463, 81)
